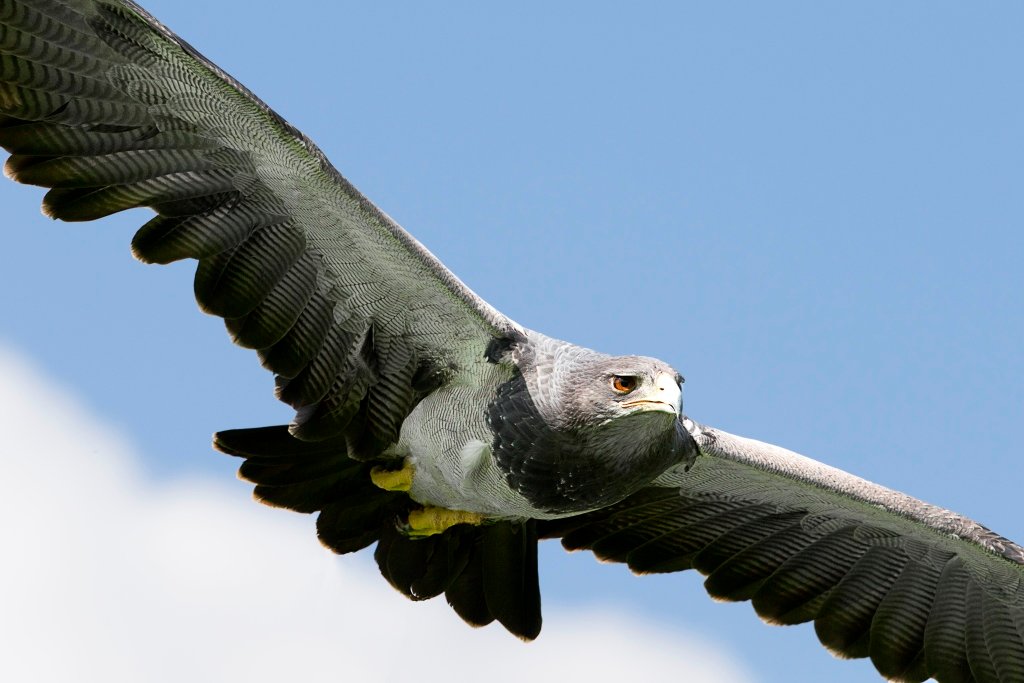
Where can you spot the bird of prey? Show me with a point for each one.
(437, 429)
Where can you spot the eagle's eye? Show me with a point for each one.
(624, 383)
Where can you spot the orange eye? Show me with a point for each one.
(624, 383)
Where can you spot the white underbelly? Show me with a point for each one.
(448, 446)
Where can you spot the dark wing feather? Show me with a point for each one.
(920, 590)
(109, 109)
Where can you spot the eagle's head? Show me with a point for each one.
(605, 388)
(577, 429)
(577, 387)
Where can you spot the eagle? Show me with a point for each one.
(434, 428)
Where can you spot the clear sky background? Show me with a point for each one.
(812, 210)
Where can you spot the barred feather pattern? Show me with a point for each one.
(109, 109)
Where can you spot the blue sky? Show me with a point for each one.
(812, 210)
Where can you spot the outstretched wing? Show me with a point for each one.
(921, 590)
(111, 110)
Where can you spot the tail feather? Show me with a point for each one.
(360, 519)
(511, 585)
(404, 561)
(446, 562)
(466, 594)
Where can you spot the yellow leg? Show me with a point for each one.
(392, 480)
(431, 520)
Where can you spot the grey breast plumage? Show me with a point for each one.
(110, 110)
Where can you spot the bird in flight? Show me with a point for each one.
(438, 430)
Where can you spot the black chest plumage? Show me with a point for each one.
(575, 469)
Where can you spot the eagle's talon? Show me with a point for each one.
(392, 480)
(429, 521)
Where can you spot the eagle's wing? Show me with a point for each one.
(921, 590)
(111, 110)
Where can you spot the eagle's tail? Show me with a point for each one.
(487, 572)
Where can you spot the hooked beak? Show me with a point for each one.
(666, 397)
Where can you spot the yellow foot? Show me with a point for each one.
(392, 480)
(430, 520)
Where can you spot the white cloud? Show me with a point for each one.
(108, 576)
